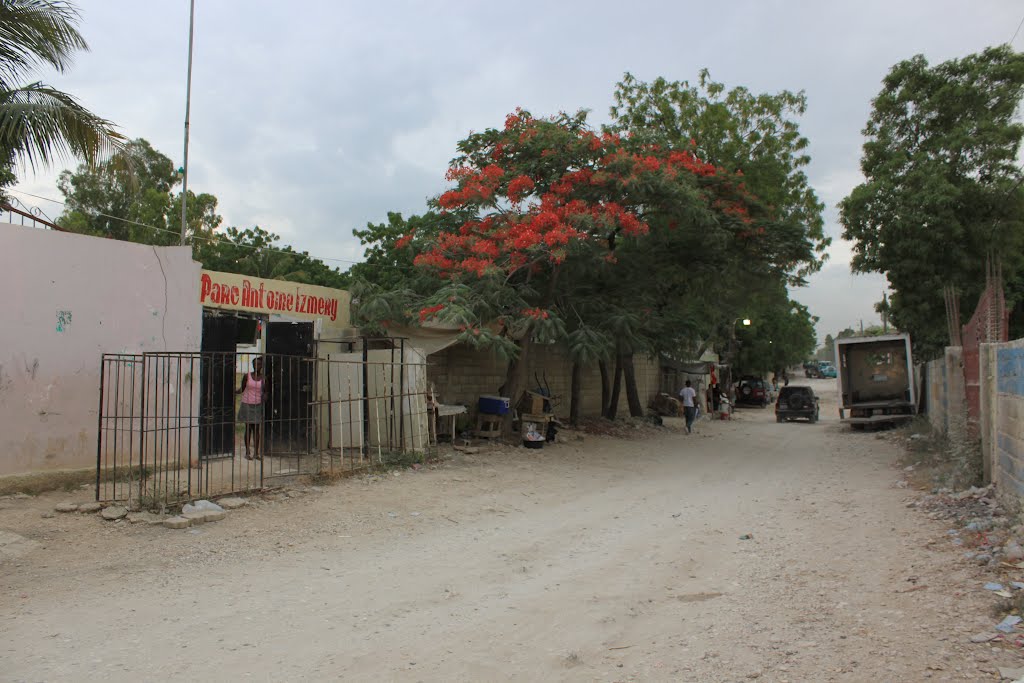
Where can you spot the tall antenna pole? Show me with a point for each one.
(188, 106)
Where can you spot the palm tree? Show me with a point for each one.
(38, 123)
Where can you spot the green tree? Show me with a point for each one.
(38, 123)
(781, 333)
(259, 253)
(828, 350)
(131, 196)
(942, 190)
(755, 135)
(134, 196)
(386, 263)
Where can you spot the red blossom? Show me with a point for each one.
(430, 311)
(519, 187)
(404, 240)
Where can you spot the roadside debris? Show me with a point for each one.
(1009, 673)
(1007, 625)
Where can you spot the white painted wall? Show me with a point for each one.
(66, 300)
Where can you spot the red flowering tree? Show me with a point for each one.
(544, 209)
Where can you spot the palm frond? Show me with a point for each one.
(34, 34)
(39, 124)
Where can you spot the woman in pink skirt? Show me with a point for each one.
(250, 412)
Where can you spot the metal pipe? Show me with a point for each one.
(99, 428)
(366, 395)
(188, 107)
(401, 396)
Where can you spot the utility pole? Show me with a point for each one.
(188, 106)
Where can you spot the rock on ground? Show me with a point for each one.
(203, 516)
(66, 507)
(145, 518)
(113, 512)
(89, 508)
(232, 503)
(177, 523)
(201, 506)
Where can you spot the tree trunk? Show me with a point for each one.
(606, 387)
(574, 392)
(613, 400)
(516, 379)
(636, 408)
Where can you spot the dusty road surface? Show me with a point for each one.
(602, 559)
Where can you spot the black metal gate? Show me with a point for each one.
(168, 433)
(167, 428)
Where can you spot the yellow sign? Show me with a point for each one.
(234, 292)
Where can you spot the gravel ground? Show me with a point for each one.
(749, 550)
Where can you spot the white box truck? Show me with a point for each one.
(876, 380)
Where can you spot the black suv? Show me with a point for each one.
(796, 402)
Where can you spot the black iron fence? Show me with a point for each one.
(170, 427)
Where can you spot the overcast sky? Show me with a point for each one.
(315, 118)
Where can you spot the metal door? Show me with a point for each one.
(217, 387)
(290, 389)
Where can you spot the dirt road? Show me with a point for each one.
(600, 559)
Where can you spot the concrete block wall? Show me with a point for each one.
(946, 401)
(935, 371)
(70, 299)
(1004, 385)
(956, 392)
(988, 396)
(461, 374)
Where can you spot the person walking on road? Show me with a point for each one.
(689, 398)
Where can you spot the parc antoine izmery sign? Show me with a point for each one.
(256, 295)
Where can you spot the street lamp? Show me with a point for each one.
(732, 327)
(732, 343)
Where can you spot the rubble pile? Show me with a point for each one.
(980, 525)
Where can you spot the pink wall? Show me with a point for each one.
(66, 300)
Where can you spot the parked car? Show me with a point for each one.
(811, 369)
(752, 391)
(827, 370)
(796, 402)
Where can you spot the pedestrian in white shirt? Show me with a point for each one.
(689, 398)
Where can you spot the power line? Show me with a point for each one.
(1017, 31)
(201, 237)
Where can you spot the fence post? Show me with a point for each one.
(99, 425)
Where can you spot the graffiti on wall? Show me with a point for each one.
(63, 320)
